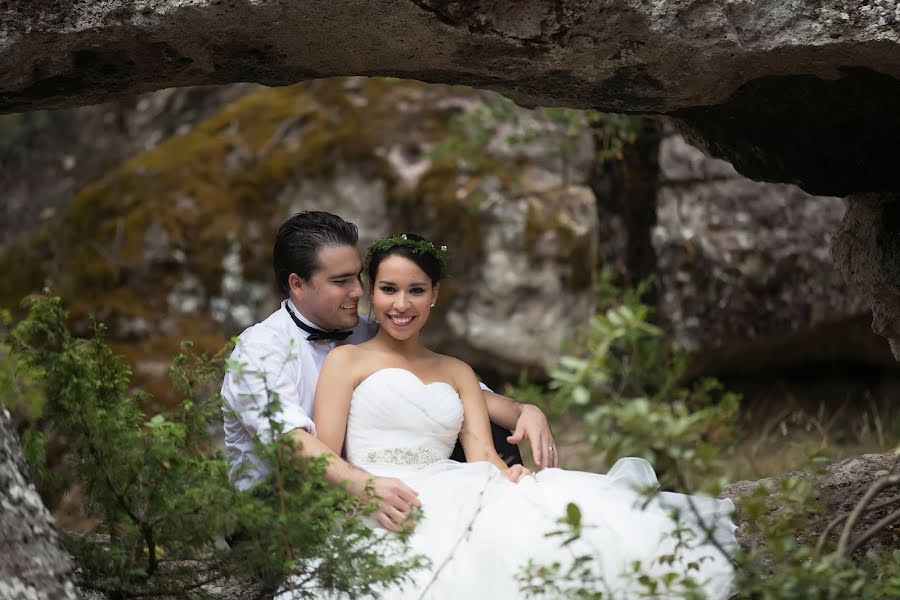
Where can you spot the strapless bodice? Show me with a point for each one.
(397, 419)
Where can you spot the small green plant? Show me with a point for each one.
(627, 387)
(162, 496)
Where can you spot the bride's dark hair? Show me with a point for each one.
(408, 245)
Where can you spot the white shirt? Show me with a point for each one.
(273, 358)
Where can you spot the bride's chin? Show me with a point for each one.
(399, 333)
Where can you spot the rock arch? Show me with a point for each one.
(800, 91)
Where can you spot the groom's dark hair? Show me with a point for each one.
(301, 237)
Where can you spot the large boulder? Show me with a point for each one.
(32, 563)
(176, 242)
(841, 486)
(745, 270)
(46, 157)
(867, 251)
(745, 276)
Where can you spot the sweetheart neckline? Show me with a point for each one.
(417, 378)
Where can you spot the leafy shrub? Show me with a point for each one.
(627, 387)
(162, 496)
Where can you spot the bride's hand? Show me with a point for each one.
(515, 473)
(396, 502)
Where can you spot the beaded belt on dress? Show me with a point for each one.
(411, 455)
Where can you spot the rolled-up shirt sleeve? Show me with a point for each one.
(258, 374)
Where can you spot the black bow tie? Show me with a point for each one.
(317, 334)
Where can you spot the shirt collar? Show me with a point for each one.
(303, 318)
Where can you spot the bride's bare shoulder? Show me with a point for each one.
(350, 363)
(458, 370)
(343, 355)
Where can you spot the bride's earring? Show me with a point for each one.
(432, 305)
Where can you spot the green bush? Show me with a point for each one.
(627, 387)
(162, 496)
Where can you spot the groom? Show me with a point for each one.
(317, 266)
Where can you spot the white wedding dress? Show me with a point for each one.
(479, 530)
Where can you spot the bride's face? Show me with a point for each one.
(402, 295)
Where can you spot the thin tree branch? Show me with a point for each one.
(858, 510)
(459, 540)
(706, 528)
(874, 529)
(150, 539)
(838, 520)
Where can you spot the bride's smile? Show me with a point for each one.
(400, 321)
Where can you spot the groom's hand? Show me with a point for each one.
(533, 426)
(396, 501)
(516, 472)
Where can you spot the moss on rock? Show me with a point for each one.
(133, 236)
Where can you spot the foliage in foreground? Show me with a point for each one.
(162, 496)
(627, 388)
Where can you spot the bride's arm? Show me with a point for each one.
(333, 393)
(475, 435)
(337, 379)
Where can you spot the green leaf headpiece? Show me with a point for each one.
(420, 246)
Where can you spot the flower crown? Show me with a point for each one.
(415, 246)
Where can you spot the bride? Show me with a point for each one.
(396, 408)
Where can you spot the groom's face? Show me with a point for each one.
(330, 297)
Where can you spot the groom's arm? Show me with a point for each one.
(259, 373)
(526, 421)
(395, 498)
(339, 471)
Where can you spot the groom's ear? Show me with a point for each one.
(295, 283)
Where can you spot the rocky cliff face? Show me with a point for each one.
(47, 157)
(745, 269)
(801, 91)
(176, 242)
(744, 276)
